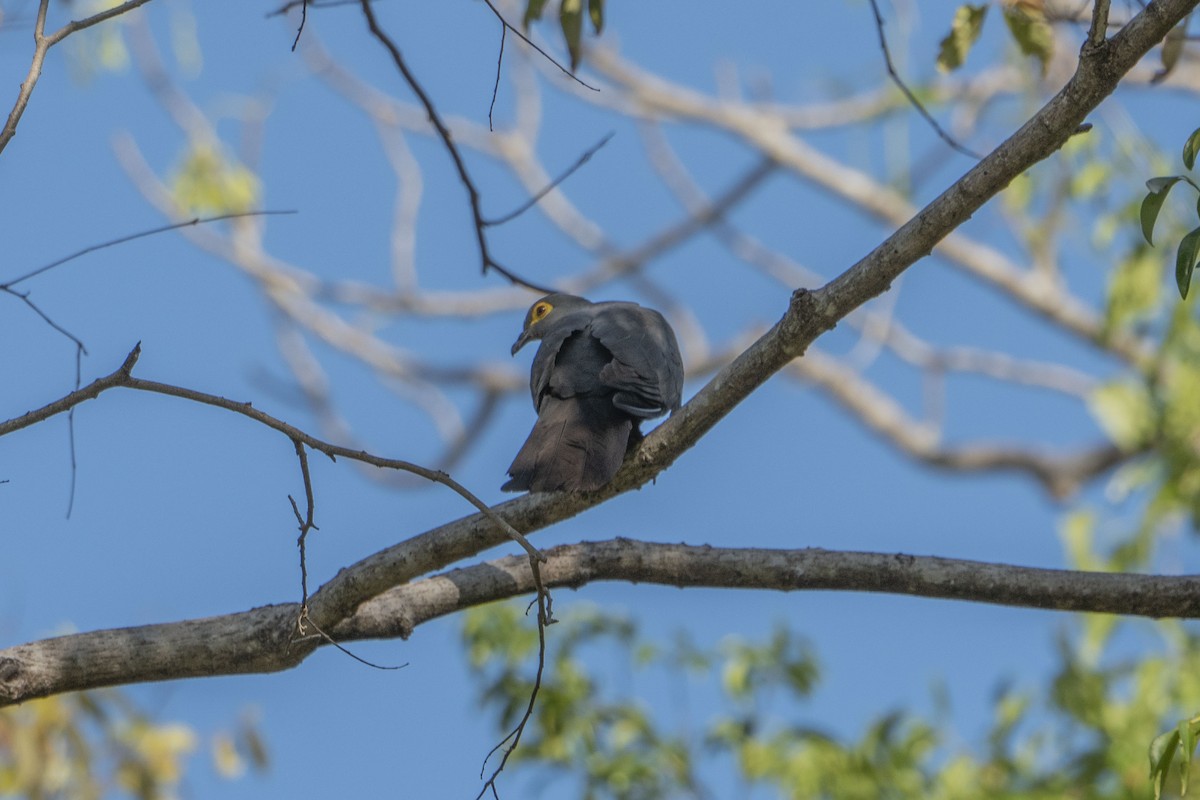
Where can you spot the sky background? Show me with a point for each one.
(181, 511)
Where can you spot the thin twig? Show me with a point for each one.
(496, 85)
(288, 6)
(24, 298)
(123, 378)
(131, 237)
(513, 738)
(31, 78)
(554, 184)
(306, 620)
(71, 431)
(912, 98)
(80, 352)
(303, 19)
(80, 349)
(243, 643)
(486, 260)
(75, 26)
(306, 521)
(42, 45)
(543, 53)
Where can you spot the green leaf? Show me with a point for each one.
(1077, 532)
(208, 182)
(1153, 203)
(570, 16)
(533, 12)
(1163, 184)
(1162, 750)
(1091, 178)
(964, 31)
(1135, 288)
(1172, 49)
(736, 677)
(1185, 261)
(1032, 34)
(596, 13)
(1190, 147)
(1187, 745)
(1125, 411)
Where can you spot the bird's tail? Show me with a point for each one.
(577, 444)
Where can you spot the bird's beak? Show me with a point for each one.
(521, 341)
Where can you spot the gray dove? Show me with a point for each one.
(600, 370)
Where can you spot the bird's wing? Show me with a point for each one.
(545, 363)
(646, 369)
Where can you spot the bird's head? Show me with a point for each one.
(544, 313)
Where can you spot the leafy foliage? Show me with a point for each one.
(964, 31)
(96, 744)
(1031, 32)
(209, 182)
(1188, 253)
(570, 20)
(1027, 27)
(1083, 736)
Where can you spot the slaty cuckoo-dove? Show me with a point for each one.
(600, 370)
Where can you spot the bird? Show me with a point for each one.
(601, 369)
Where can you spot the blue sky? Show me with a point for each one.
(181, 510)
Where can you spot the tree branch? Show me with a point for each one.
(262, 639)
(908, 95)
(42, 45)
(767, 134)
(122, 377)
(435, 119)
(1061, 474)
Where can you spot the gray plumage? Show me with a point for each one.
(601, 369)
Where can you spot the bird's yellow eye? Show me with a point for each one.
(540, 311)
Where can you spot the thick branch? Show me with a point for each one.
(766, 133)
(399, 611)
(262, 640)
(809, 315)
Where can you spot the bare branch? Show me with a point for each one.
(487, 261)
(912, 98)
(123, 378)
(513, 738)
(496, 85)
(36, 309)
(288, 6)
(1098, 31)
(259, 640)
(877, 328)
(134, 236)
(42, 45)
(78, 25)
(1062, 474)
(533, 201)
(654, 97)
(300, 27)
(262, 639)
(698, 219)
(540, 51)
(305, 521)
(31, 78)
